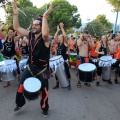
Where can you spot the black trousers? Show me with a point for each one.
(43, 77)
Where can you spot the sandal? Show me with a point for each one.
(6, 85)
(87, 84)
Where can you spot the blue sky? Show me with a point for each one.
(86, 8)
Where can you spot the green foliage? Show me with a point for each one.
(95, 28)
(115, 4)
(104, 21)
(64, 12)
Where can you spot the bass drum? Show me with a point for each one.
(87, 72)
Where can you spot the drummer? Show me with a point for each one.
(83, 45)
(113, 45)
(72, 44)
(9, 46)
(62, 47)
(117, 64)
(101, 50)
(39, 54)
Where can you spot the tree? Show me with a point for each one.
(95, 28)
(104, 21)
(27, 7)
(64, 12)
(115, 4)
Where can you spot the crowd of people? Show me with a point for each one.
(35, 45)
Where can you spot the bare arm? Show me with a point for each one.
(64, 33)
(98, 48)
(56, 34)
(16, 21)
(45, 28)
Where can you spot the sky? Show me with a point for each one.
(86, 8)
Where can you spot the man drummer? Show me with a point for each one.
(39, 54)
(62, 49)
(9, 46)
(72, 44)
(83, 45)
(113, 45)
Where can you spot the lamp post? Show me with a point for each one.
(115, 25)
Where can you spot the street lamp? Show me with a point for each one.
(114, 30)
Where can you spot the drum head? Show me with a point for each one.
(9, 62)
(55, 58)
(73, 54)
(23, 61)
(87, 67)
(32, 84)
(106, 58)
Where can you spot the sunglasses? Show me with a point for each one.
(35, 25)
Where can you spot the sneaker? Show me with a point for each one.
(116, 81)
(110, 82)
(56, 87)
(45, 113)
(97, 84)
(17, 108)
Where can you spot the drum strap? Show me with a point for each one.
(38, 72)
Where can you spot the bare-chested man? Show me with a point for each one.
(83, 44)
(113, 45)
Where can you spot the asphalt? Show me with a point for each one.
(85, 103)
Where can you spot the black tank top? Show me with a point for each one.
(39, 54)
(102, 49)
(61, 50)
(24, 49)
(9, 48)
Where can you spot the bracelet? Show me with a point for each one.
(15, 14)
(44, 16)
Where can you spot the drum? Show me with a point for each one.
(8, 70)
(56, 64)
(22, 63)
(32, 88)
(62, 77)
(55, 61)
(72, 59)
(105, 61)
(87, 72)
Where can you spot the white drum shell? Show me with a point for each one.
(8, 70)
(60, 72)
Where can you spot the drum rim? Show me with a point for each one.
(88, 71)
(72, 53)
(105, 60)
(56, 59)
(7, 64)
(34, 91)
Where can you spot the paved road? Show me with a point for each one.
(85, 103)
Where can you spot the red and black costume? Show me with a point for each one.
(37, 67)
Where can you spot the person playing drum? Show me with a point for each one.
(39, 54)
(9, 46)
(117, 63)
(83, 45)
(112, 45)
(62, 47)
(101, 50)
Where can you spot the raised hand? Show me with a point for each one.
(61, 25)
(15, 8)
(48, 11)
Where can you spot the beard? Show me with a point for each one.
(36, 31)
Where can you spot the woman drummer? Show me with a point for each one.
(101, 50)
